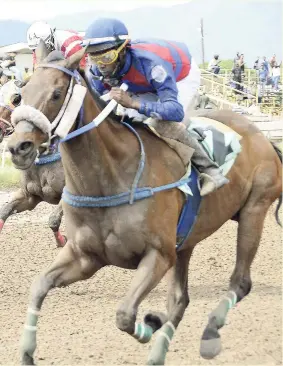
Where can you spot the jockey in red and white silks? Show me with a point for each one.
(67, 42)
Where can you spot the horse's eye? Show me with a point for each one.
(56, 94)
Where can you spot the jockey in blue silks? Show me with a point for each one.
(162, 79)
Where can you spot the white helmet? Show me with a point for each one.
(40, 30)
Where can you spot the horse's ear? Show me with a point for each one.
(74, 60)
(41, 52)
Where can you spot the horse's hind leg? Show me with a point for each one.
(20, 202)
(54, 223)
(150, 271)
(69, 266)
(251, 219)
(178, 300)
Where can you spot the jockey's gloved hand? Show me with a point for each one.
(123, 98)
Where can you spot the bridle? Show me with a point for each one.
(76, 79)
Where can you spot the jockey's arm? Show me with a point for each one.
(96, 84)
(168, 108)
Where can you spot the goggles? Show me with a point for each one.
(108, 57)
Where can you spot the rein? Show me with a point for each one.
(74, 76)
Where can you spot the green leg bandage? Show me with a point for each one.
(28, 342)
(143, 332)
(161, 344)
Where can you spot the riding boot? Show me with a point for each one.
(210, 177)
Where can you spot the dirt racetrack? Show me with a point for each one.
(77, 324)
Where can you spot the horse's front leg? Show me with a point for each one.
(20, 202)
(150, 271)
(178, 300)
(70, 265)
(54, 223)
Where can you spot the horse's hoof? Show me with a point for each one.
(155, 320)
(210, 348)
(27, 360)
(156, 361)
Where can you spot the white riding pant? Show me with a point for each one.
(187, 89)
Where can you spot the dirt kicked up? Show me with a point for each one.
(77, 324)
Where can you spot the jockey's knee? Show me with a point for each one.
(167, 129)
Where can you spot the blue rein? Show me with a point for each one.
(122, 198)
(48, 159)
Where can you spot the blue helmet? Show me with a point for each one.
(104, 34)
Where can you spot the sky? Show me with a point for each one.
(31, 10)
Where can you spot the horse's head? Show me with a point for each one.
(43, 101)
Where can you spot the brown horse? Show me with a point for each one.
(38, 183)
(141, 236)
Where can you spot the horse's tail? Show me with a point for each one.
(279, 153)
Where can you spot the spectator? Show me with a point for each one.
(265, 64)
(237, 76)
(256, 63)
(263, 72)
(262, 75)
(242, 63)
(273, 61)
(236, 59)
(276, 76)
(213, 65)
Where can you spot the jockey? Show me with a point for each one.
(162, 79)
(68, 42)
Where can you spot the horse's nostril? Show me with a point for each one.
(12, 150)
(25, 147)
(22, 148)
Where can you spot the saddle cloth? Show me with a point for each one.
(223, 146)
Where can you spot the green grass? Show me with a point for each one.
(9, 176)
